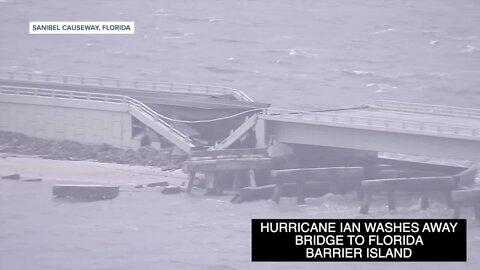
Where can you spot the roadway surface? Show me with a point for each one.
(415, 129)
(154, 97)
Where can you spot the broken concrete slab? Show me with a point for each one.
(32, 180)
(158, 184)
(12, 177)
(86, 192)
(172, 190)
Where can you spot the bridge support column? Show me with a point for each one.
(261, 134)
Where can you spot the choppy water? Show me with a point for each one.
(148, 230)
(298, 54)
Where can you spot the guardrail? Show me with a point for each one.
(374, 122)
(75, 95)
(427, 108)
(116, 83)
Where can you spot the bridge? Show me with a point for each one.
(386, 126)
(115, 112)
(118, 112)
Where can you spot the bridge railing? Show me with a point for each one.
(116, 83)
(75, 95)
(373, 122)
(427, 108)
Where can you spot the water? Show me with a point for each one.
(148, 230)
(298, 54)
(306, 54)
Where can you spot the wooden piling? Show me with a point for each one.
(190, 180)
(332, 177)
(425, 203)
(391, 199)
(367, 199)
(424, 185)
(277, 193)
(301, 192)
(460, 197)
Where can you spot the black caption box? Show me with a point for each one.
(434, 240)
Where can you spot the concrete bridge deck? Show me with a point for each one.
(205, 97)
(386, 126)
(416, 129)
(458, 122)
(186, 107)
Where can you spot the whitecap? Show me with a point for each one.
(178, 36)
(297, 52)
(381, 88)
(469, 49)
(215, 20)
(37, 72)
(89, 44)
(434, 42)
(233, 59)
(384, 31)
(361, 72)
(161, 12)
(293, 52)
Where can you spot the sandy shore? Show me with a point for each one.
(86, 171)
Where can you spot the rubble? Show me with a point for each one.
(16, 143)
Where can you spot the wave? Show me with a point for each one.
(384, 31)
(230, 40)
(442, 34)
(213, 20)
(428, 75)
(233, 59)
(293, 52)
(177, 36)
(304, 53)
(129, 55)
(161, 12)
(223, 70)
(381, 87)
(469, 49)
(180, 18)
(358, 72)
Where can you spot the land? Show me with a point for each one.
(86, 171)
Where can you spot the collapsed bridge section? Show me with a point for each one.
(164, 115)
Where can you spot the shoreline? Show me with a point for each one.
(86, 171)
